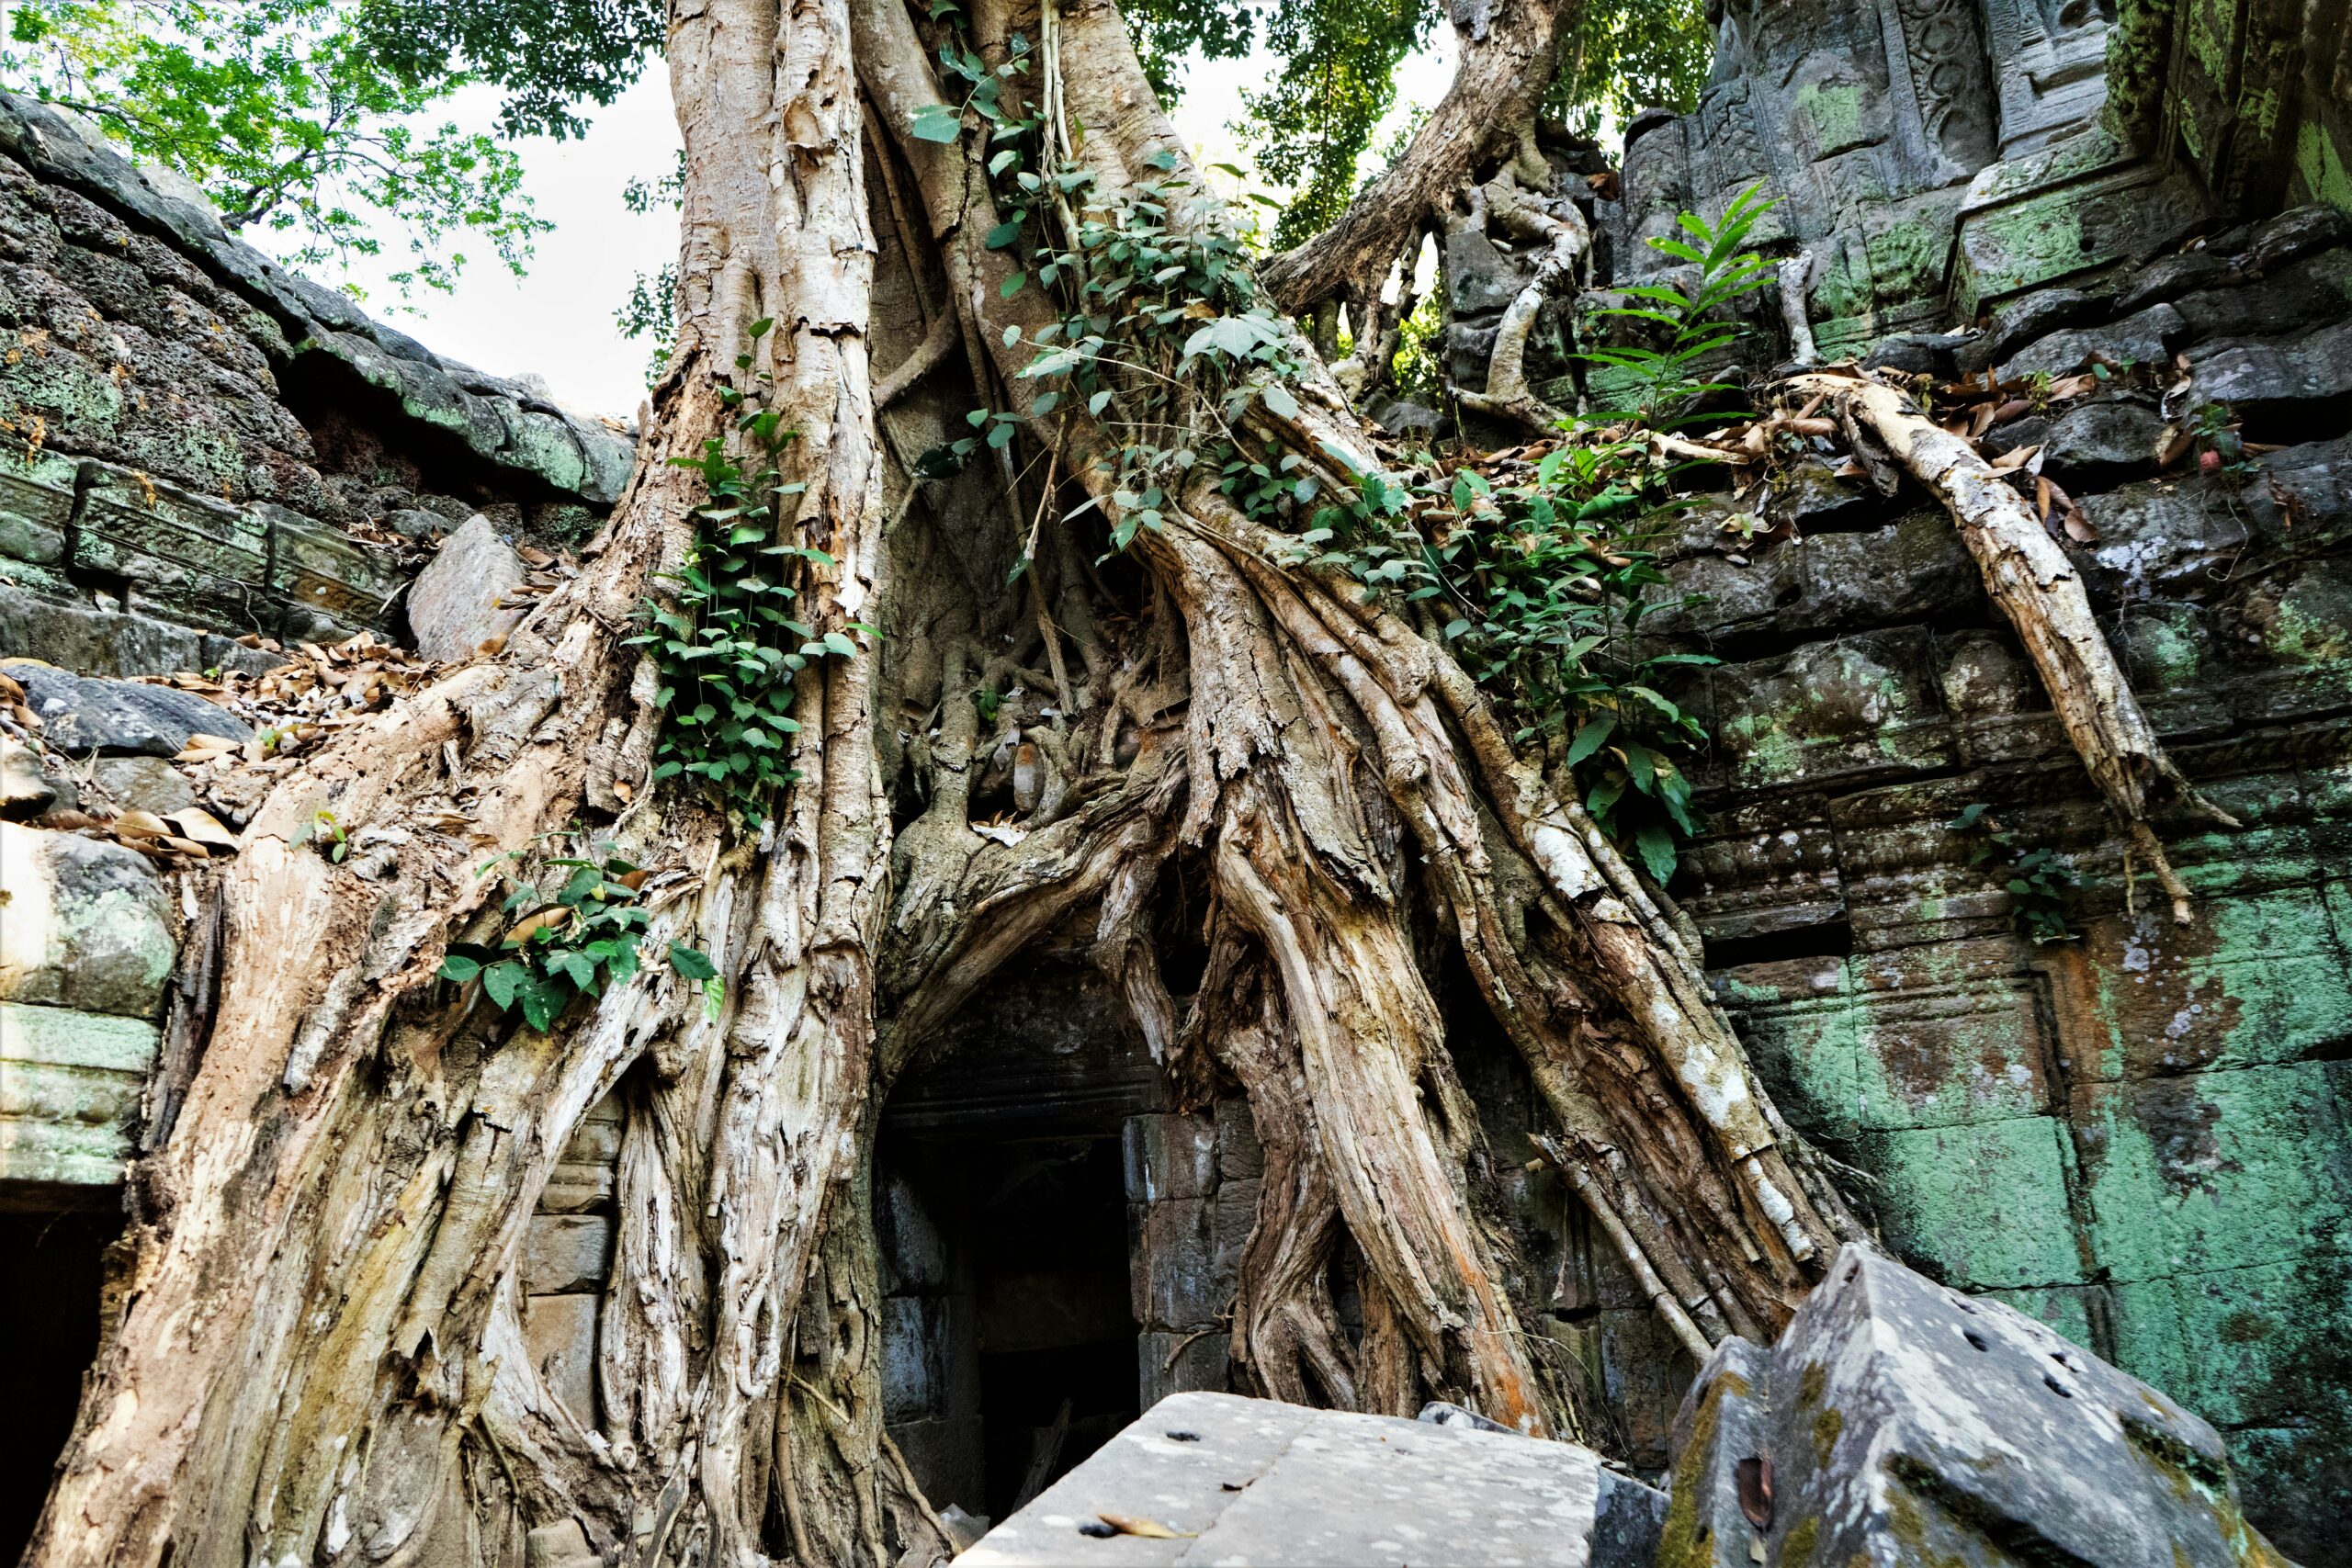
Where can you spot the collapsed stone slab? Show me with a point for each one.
(1900, 1422)
(1234, 1480)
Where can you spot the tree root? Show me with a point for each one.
(2028, 576)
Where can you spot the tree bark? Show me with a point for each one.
(1488, 112)
(321, 1358)
(2028, 576)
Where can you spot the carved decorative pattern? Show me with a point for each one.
(1947, 61)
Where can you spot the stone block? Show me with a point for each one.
(1198, 1360)
(453, 603)
(2217, 1169)
(2259, 978)
(2316, 289)
(561, 1332)
(325, 575)
(102, 642)
(87, 713)
(1797, 1020)
(911, 1354)
(149, 783)
(1173, 1276)
(1908, 1424)
(69, 1084)
(1914, 569)
(1985, 1204)
(2144, 337)
(36, 506)
(914, 1255)
(565, 1253)
(191, 557)
(1941, 1055)
(2101, 442)
(948, 1458)
(1239, 1157)
(1253, 1481)
(1851, 711)
(1724, 1421)
(1168, 1155)
(1236, 1216)
(84, 924)
(2282, 388)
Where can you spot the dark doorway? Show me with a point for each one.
(1011, 1351)
(51, 1270)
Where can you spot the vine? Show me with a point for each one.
(727, 646)
(568, 941)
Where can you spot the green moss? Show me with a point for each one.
(1682, 1541)
(1825, 1429)
(1796, 1549)
(2323, 167)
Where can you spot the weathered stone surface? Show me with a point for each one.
(98, 642)
(2137, 339)
(1252, 1481)
(1168, 1156)
(69, 1084)
(1903, 1422)
(2103, 442)
(83, 924)
(2031, 316)
(25, 791)
(565, 1253)
(2312, 289)
(82, 712)
(2288, 386)
(148, 783)
(1916, 354)
(453, 604)
(562, 1334)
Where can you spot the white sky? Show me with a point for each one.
(558, 321)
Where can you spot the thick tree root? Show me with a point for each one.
(2028, 576)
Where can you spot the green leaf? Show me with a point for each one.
(692, 963)
(838, 643)
(1590, 736)
(937, 122)
(501, 982)
(1279, 399)
(458, 968)
(1657, 847)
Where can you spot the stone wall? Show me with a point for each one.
(196, 445)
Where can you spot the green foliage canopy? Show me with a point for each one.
(306, 118)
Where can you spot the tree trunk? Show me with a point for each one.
(320, 1355)
(1487, 114)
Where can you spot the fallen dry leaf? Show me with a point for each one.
(1150, 1530)
(136, 824)
(195, 822)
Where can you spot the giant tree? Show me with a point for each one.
(974, 389)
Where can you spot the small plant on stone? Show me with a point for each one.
(2039, 880)
(1696, 325)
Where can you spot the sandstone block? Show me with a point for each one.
(1903, 1422)
(84, 924)
(453, 603)
(87, 713)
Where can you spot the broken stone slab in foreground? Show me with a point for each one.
(1253, 1481)
(1898, 1422)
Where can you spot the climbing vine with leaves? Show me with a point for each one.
(727, 644)
(571, 938)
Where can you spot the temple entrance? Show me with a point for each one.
(1001, 1204)
(1010, 1340)
(51, 1270)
